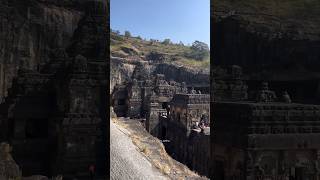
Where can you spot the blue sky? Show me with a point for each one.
(178, 20)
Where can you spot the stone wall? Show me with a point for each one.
(275, 138)
(191, 149)
(199, 152)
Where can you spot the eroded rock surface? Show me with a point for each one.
(31, 32)
(126, 162)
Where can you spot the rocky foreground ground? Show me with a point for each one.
(126, 162)
(135, 154)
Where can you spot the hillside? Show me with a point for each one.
(299, 18)
(271, 40)
(137, 48)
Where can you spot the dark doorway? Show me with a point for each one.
(36, 128)
(34, 160)
(219, 170)
(299, 173)
(164, 133)
(121, 102)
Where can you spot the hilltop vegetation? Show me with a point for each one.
(126, 46)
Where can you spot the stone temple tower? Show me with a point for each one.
(84, 125)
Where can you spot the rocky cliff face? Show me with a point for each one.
(31, 32)
(183, 74)
(268, 38)
(122, 70)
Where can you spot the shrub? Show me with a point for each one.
(127, 34)
(166, 41)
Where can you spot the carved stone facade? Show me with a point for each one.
(230, 85)
(54, 117)
(272, 139)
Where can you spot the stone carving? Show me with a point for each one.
(236, 71)
(265, 95)
(193, 91)
(184, 88)
(148, 83)
(134, 82)
(286, 97)
(80, 64)
(230, 85)
(204, 121)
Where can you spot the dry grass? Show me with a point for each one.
(194, 63)
(145, 150)
(163, 167)
(142, 48)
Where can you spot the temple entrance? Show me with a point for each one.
(32, 134)
(119, 101)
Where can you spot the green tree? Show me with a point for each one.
(127, 34)
(166, 41)
(199, 50)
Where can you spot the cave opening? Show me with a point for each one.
(121, 102)
(36, 128)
